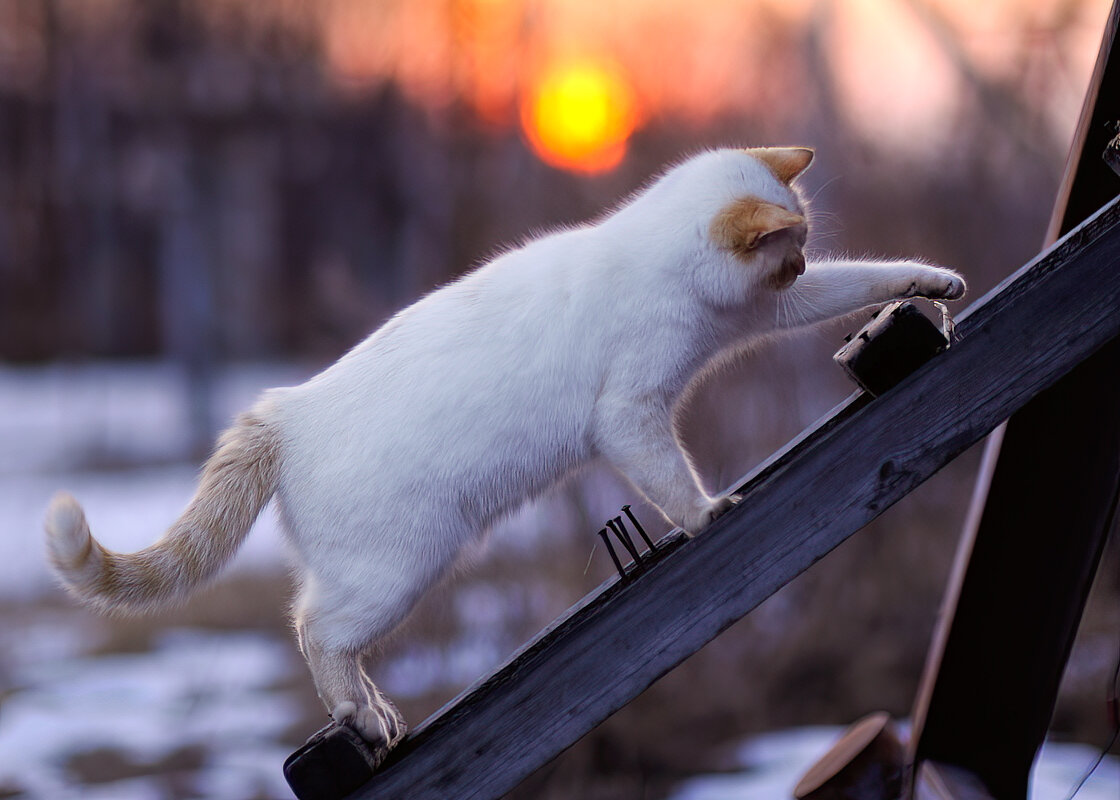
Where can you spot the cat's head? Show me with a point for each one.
(732, 218)
(761, 222)
(729, 222)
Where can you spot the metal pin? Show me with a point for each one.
(614, 556)
(624, 537)
(637, 525)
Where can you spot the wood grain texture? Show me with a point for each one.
(837, 477)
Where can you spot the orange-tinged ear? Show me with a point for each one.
(739, 225)
(785, 162)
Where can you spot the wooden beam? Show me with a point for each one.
(1015, 342)
(1045, 501)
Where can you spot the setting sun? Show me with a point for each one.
(579, 114)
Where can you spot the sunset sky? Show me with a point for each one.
(898, 68)
(578, 76)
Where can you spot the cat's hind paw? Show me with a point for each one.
(380, 728)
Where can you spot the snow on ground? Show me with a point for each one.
(199, 691)
(773, 764)
(207, 694)
(219, 693)
(53, 416)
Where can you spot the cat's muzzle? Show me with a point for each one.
(793, 266)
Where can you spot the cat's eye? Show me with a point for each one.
(797, 236)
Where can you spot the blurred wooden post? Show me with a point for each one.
(1045, 501)
(866, 763)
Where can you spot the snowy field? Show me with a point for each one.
(211, 713)
(215, 705)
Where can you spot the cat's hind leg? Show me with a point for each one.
(351, 696)
(362, 567)
(347, 605)
(336, 640)
(344, 686)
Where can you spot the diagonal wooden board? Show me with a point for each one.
(1016, 341)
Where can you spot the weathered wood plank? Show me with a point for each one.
(1015, 342)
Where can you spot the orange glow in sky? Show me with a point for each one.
(578, 115)
(900, 74)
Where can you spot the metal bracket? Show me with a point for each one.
(898, 339)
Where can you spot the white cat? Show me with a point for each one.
(576, 346)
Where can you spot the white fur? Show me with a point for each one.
(573, 347)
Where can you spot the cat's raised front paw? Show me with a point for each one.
(938, 284)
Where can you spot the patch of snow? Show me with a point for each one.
(775, 762)
(132, 789)
(26, 644)
(214, 691)
(1061, 765)
(772, 766)
(52, 417)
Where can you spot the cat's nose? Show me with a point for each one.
(793, 266)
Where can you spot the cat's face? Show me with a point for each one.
(764, 226)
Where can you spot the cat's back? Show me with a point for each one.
(494, 373)
(522, 308)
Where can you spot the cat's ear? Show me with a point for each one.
(785, 162)
(741, 224)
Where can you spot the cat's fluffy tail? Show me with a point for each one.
(236, 483)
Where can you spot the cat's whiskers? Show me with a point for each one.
(790, 307)
(822, 187)
(785, 304)
(823, 235)
(791, 311)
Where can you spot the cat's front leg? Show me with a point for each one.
(831, 289)
(638, 439)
